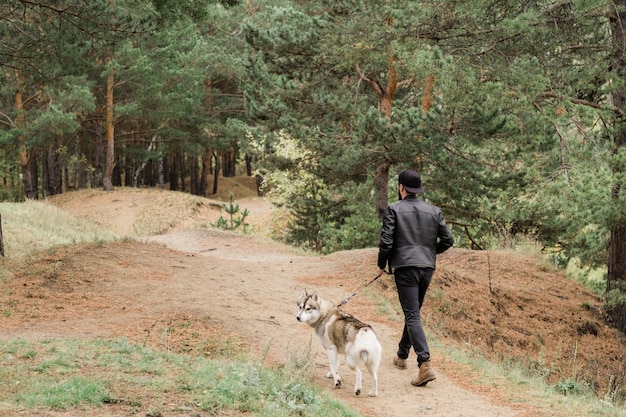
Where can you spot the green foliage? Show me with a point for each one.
(61, 110)
(11, 188)
(357, 226)
(615, 299)
(323, 218)
(309, 202)
(234, 220)
(569, 387)
(592, 278)
(514, 138)
(506, 148)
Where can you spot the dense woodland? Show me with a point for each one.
(513, 111)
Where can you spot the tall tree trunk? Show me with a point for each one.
(30, 191)
(427, 98)
(616, 274)
(56, 171)
(99, 154)
(206, 170)
(161, 172)
(616, 278)
(216, 171)
(52, 172)
(143, 164)
(229, 163)
(116, 178)
(194, 175)
(129, 169)
(183, 170)
(46, 185)
(248, 165)
(107, 180)
(381, 182)
(260, 190)
(73, 184)
(33, 169)
(148, 174)
(385, 100)
(79, 174)
(173, 171)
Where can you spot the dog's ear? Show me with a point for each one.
(304, 294)
(315, 297)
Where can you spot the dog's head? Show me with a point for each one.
(309, 310)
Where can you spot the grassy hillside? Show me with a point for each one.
(33, 226)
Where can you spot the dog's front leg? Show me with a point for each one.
(333, 359)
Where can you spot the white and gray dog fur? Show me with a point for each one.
(341, 333)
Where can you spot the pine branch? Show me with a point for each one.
(49, 7)
(617, 111)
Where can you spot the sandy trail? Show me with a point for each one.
(258, 288)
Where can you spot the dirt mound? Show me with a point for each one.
(515, 307)
(179, 287)
(136, 212)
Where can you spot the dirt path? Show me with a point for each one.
(245, 283)
(249, 288)
(259, 295)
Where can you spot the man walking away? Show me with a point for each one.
(413, 233)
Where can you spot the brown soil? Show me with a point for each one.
(203, 281)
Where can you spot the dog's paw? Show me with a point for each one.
(357, 392)
(372, 393)
(329, 374)
(338, 382)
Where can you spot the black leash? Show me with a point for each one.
(344, 302)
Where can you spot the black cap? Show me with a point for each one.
(411, 180)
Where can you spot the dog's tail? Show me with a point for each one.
(369, 347)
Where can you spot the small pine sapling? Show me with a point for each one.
(233, 222)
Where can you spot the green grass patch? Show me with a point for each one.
(74, 374)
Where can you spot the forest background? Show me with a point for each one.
(512, 111)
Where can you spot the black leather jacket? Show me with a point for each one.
(413, 232)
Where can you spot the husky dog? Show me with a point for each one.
(340, 332)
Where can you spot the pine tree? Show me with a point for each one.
(45, 94)
(616, 274)
(487, 99)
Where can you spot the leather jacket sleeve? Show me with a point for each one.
(412, 234)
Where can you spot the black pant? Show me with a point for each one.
(412, 283)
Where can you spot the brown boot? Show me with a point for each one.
(425, 375)
(399, 363)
